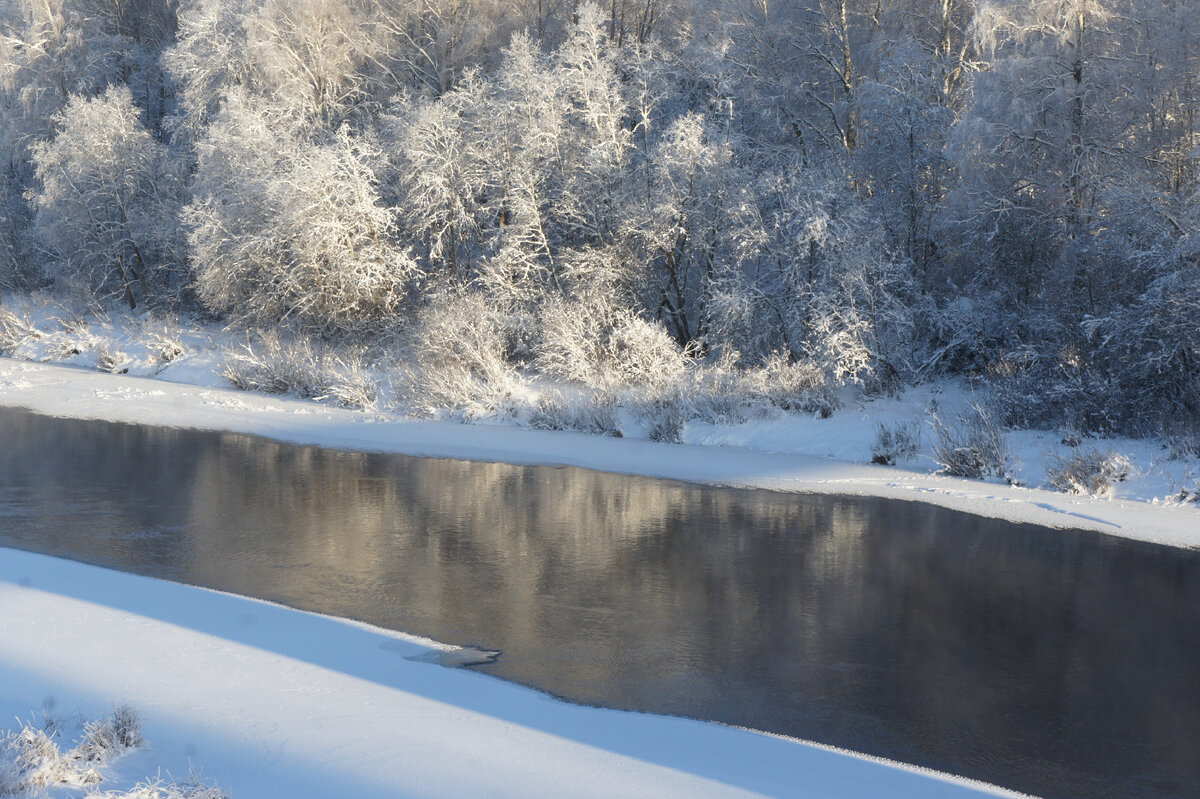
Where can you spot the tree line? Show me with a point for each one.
(885, 190)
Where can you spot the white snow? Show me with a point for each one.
(790, 453)
(273, 702)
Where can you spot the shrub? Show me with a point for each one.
(594, 414)
(73, 338)
(191, 788)
(163, 341)
(304, 369)
(723, 393)
(1149, 354)
(664, 418)
(15, 330)
(459, 360)
(110, 359)
(972, 446)
(1189, 494)
(1183, 446)
(1092, 472)
(111, 735)
(791, 385)
(107, 196)
(898, 442)
(602, 347)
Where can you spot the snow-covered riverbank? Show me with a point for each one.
(272, 702)
(810, 455)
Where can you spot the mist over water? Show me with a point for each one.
(1061, 663)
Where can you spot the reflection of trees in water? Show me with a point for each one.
(622, 578)
(257, 509)
(1010, 653)
(459, 532)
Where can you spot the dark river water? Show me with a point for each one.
(1062, 663)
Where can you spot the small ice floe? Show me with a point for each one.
(458, 656)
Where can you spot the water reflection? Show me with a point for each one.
(1064, 664)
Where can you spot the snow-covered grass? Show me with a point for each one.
(777, 427)
(273, 702)
(32, 760)
(34, 764)
(159, 788)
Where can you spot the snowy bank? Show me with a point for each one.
(271, 702)
(734, 455)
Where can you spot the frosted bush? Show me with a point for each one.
(896, 442)
(604, 347)
(111, 359)
(596, 413)
(111, 735)
(163, 340)
(1189, 493)
(459, 359)
(792, 385)
(717, 393)
(29, 759)
(107, 190)
(972, 446)
(1090, 472)
(15, 330)
(1183, 446)
(721, 393)
(304, 369)
(725, 393)
(664, 417)
(73, 338)
(284, 228)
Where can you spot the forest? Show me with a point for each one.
(706, 205)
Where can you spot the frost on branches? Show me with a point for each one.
(621, 196)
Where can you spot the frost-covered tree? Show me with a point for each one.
(902, 159)
(830, 287)
(309, 57)
(285, 230)
(503, 178)
(311, 64)
(208, 59)
(698, 224)
(49, 51)
(430, 45)
(108, 200)
(1148, 355)
(1052, 137)
(442, 177)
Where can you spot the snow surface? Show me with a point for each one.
(273, 702)
(789, 453)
